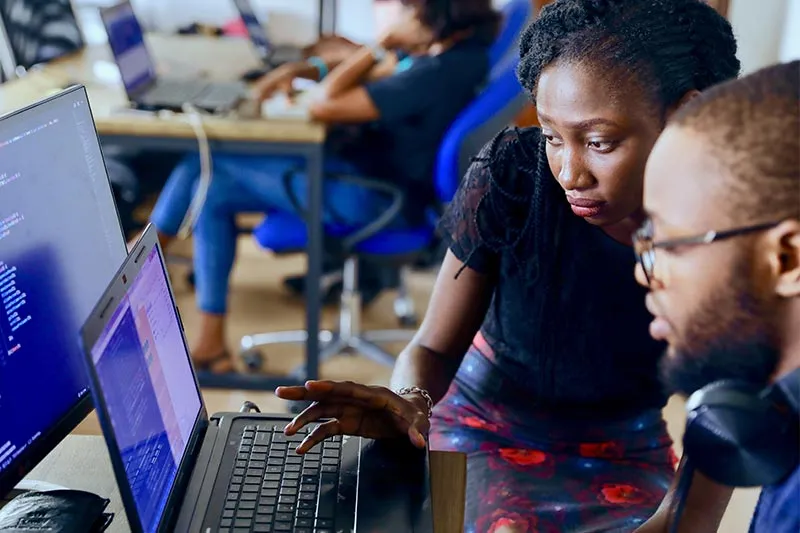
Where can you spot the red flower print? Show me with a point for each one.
(618, 494)
(673, 459)
(523, 457)
(511, 521)
(605, 450)
(478, 423)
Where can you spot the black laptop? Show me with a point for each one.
(179, 470)
(271, 55)
(148, 91)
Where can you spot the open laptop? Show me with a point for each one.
(271, 55)
(138, 71)
(178, 470)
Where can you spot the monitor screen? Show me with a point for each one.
(60, 244)
(126, 39)
(147, 385)
(40, 30)
(258, 36)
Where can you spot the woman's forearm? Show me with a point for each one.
(350, 73)
(418, 366)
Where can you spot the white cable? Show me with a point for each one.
(195, 119)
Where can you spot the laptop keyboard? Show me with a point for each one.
(273, 489)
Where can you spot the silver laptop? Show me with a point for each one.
(271, 55)
(144, 88)
(179, 470)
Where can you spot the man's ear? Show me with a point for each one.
(785, 258)
(688, 96)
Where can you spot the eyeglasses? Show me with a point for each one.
(645, 247)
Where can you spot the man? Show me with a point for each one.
(729, 306)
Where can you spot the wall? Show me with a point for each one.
(790, 46)
(759, 29)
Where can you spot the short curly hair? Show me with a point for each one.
(448, 17)
(752, 125)
(669, 46)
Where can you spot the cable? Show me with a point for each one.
(195, 119)
(249, 407)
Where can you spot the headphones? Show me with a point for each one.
(741, 436)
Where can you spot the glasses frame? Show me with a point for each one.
(645, 247)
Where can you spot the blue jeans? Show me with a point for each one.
(250, 184)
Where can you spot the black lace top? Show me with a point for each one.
(567, 321)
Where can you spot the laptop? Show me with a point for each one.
(271, 55)
(179, 470)
(145, 89)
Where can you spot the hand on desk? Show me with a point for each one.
(277, 81)
(365, 411)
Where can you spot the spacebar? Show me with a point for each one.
(326, 506)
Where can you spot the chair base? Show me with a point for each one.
(332, 344)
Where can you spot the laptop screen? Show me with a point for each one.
(257, 33)
(126, 39)
(146, 382)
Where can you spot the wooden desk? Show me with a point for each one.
(193, 57)
(81, 462)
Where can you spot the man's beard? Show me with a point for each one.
(729, 338)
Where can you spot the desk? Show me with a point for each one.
(81, 462)
(193, 56)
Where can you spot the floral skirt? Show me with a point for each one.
(535, 471)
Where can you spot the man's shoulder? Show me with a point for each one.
(778, 509)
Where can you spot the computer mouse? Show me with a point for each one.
(254, 74)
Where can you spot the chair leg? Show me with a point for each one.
(404, 304)
(372, 351)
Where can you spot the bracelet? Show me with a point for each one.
(378, 52)
(318, 63)
(421, 392)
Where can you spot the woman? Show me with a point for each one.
(556, 401)
(394, 122)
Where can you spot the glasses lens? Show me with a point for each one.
(643, 245)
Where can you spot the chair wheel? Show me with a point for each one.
(253, 360)
(408, 321)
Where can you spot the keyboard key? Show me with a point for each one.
(249, 496)
(308, 487)
(275, 461)
(307, 506)
(269, 493)
(230, 504)
(283, 526)
(278, 438)
(311, 463)
(305, 513)
(228, 513)
(274, 470)
(264, 519)
(234, 489)
(272, 477)
(291, 468)
(278, 446)
(265, 510)
(323, 530)
(262, 439)
(284, 517)
(285, 508)
(237, 479)
(309, 479)
(262, 528)
(304, 522)
(330, 469)
(307, 496)
(274, 484)
(291, 475)
(226, 522)
(310, 472)
(272, 500)
(242, 522)
(330, 453)
(246, 514)
(258, 456)
(294, 460)
(238, 471)
(250, 488)
(247, 505)
(324, 522)
(260, 449)
(303, 530)
(330, 460)
(287, 498)
(241, 464)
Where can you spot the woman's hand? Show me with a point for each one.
(278, 80)
(409, 35)
(354, 409)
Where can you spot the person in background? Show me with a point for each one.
(383, 125)
(729, 306)
(534, 349)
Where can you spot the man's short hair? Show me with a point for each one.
(753, 125)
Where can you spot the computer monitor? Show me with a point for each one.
(37, 31)
(60, 244)
(126, 40)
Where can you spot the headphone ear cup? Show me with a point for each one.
(739, 439)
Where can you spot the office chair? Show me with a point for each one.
(491, 111)
(35, 32)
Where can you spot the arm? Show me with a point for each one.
(456, 311)
(705, 506)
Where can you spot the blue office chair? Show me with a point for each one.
(516, 15)
(490, 112)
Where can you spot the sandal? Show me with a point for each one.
(208, 365)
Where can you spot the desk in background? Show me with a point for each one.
(82, 462)
(194, 56)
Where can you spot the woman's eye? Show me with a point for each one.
(552, 140)
(601, 146)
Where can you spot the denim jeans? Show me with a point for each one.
(250, 184)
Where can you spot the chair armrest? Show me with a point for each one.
(379, 224)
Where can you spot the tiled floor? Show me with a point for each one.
(258, 303)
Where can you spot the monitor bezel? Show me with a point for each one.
(90, 333)
(50, 439)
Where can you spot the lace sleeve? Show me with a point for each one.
(484, 217)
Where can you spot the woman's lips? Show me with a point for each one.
(585, 207)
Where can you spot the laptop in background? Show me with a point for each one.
(271, 55)
(145, 89)
(179, 470)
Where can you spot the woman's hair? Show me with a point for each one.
(448, 17)
(668, 47)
